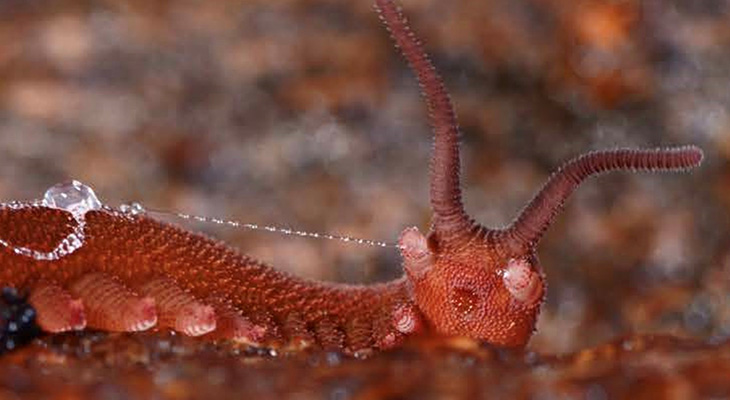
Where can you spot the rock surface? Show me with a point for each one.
(265, 111)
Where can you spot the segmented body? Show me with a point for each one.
(132, 273)
(282, 310)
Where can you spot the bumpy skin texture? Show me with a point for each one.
(460, 278)
(473, 281)
(137, 250)
(463, 293)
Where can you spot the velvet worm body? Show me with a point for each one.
(86, 266)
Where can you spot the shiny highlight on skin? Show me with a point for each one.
(461, 279)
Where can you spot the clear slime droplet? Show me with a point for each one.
(132, 208)
(72, 196)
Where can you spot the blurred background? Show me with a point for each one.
(300, 113)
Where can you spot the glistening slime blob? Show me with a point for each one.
(72, 196)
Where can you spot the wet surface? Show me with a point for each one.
(300, 113)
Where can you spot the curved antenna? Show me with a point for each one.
(450, 220)
(528, 228)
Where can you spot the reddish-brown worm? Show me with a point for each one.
(93, 267)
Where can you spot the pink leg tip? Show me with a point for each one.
(57, 310)
(195, 320)
(77, 318)
(142, 315)
(111, 306)
(238, 328)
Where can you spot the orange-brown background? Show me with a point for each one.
(300, 113)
